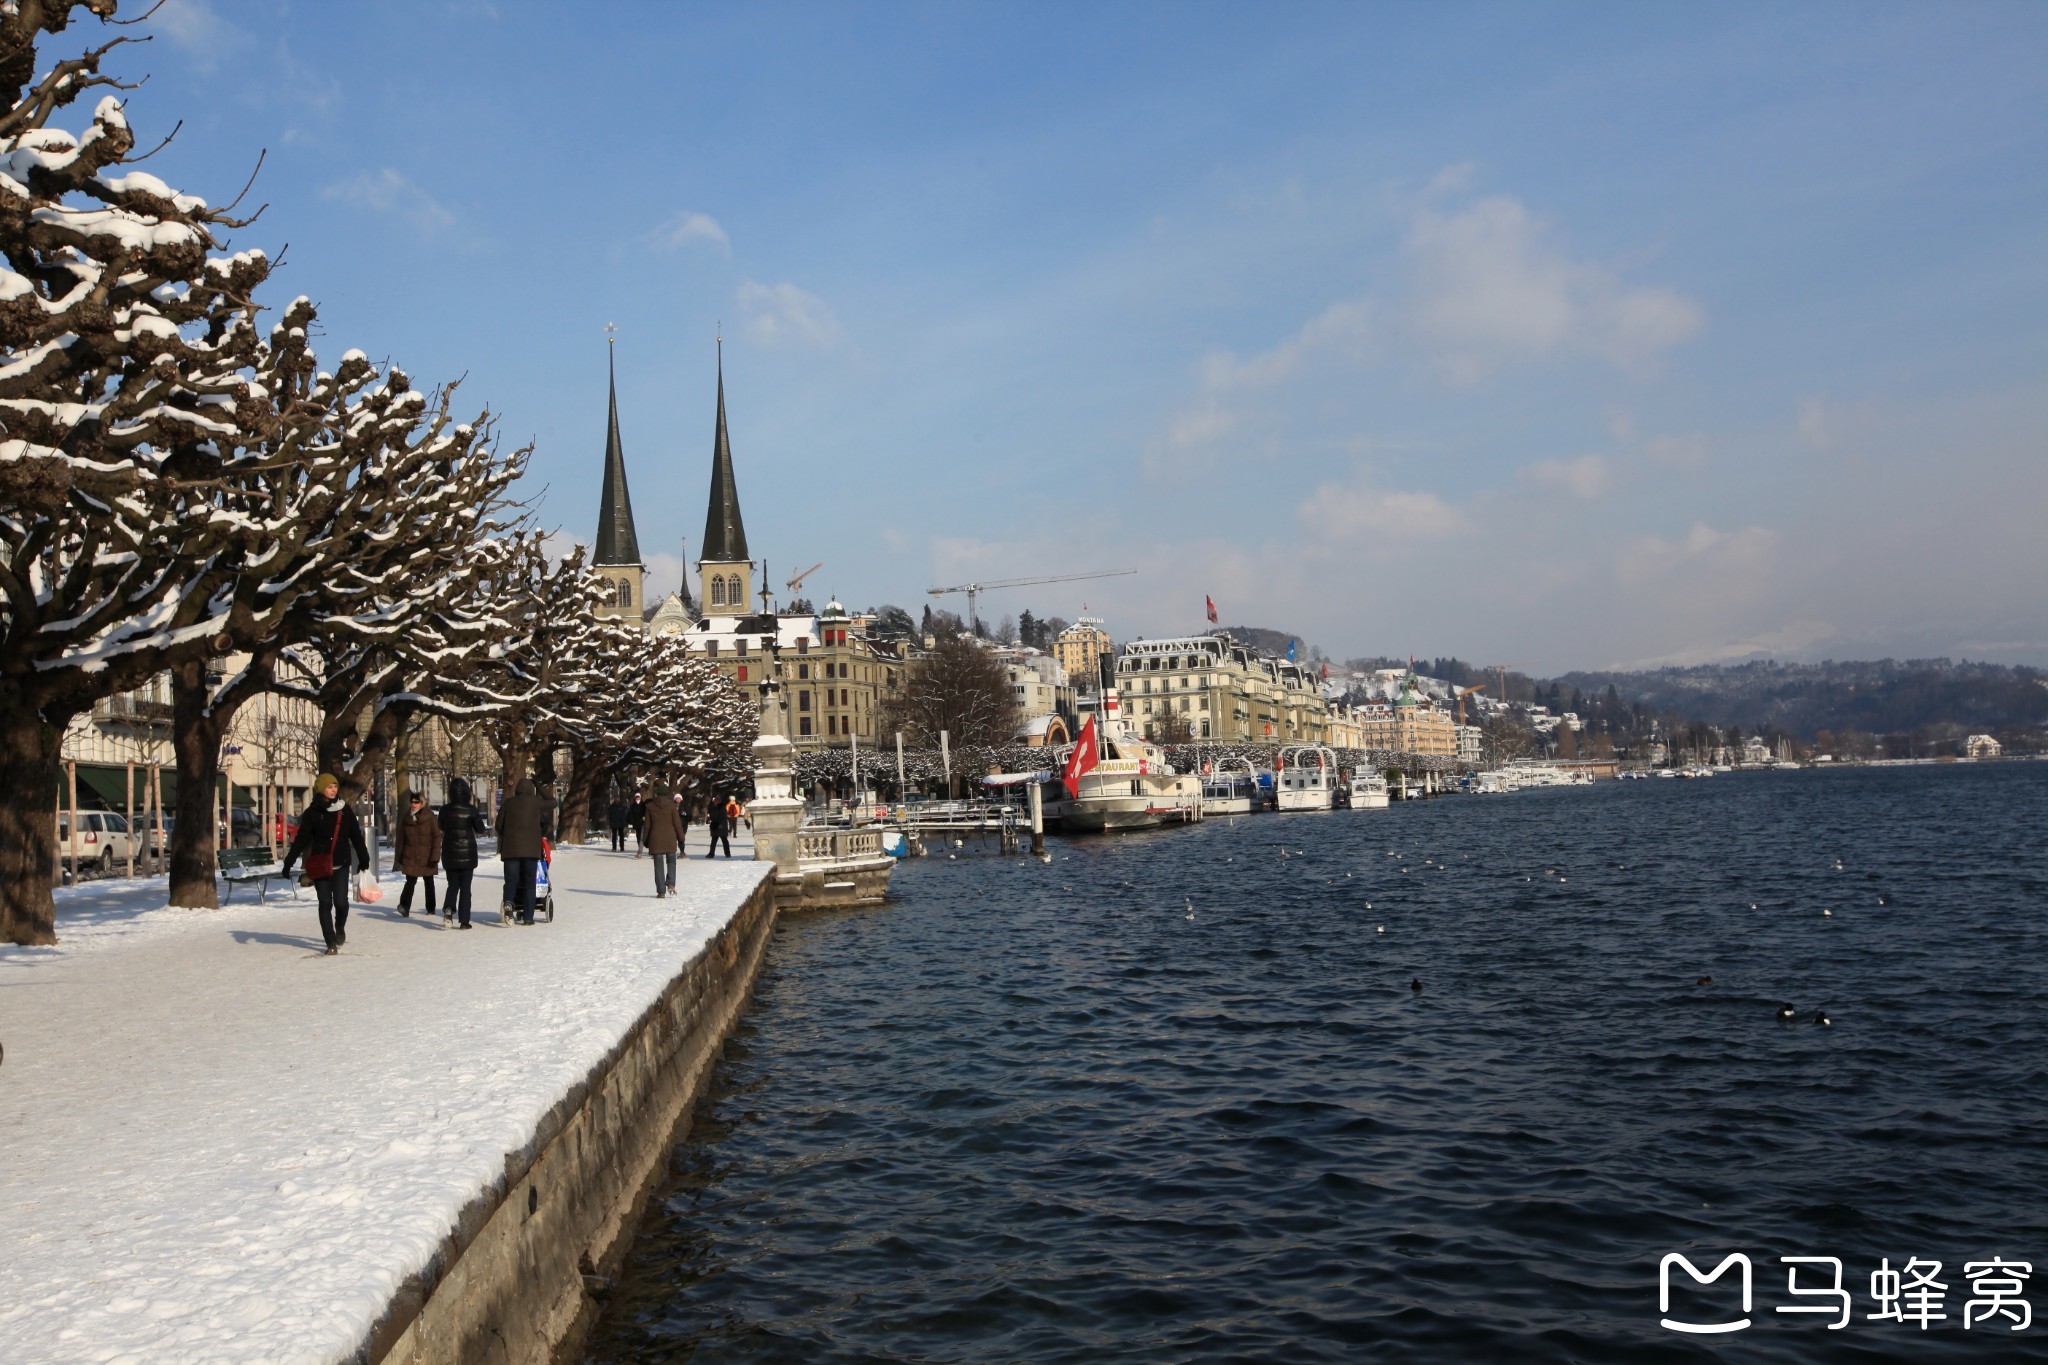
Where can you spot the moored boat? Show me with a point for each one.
(1305, 778)
(1230, 787)
(1368, 790)
(1127, 783)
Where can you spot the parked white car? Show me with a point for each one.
(101, 840)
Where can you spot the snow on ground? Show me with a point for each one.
(223, 1145)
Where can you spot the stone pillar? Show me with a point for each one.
(776, 809)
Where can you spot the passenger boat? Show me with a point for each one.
(1305, 778)
(1131, 785)
(1230, 787)
(1368, 790)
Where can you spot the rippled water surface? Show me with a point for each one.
(1036, 1112)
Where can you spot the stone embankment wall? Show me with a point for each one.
(512, 1284)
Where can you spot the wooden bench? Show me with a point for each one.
(241, 865)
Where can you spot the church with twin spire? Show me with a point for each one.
(834, 678)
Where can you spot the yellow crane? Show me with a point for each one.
(1464, 693)
(974, 590)
(798, 581)
(1502, 669)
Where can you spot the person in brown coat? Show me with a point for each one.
(522, 834)
(661, 834)
(416, 848)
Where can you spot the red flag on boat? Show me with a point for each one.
(1212, 607)
(1082, 759)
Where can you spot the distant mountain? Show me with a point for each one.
(1885, 696)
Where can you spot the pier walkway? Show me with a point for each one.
(225, 1146)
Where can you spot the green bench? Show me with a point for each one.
(242, 865)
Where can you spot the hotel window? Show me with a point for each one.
(739, 647)
(803, 671)
(711, 648)
(831, 725)
(803, 703)
(803, 725)
(842, 697)
(803, 644)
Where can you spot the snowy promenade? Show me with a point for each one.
(224, 1146)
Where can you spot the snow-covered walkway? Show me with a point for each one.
(223, 1145)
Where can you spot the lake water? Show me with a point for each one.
(1035, 1112)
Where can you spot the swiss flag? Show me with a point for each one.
(1082, 759)
(1326, 672)
(1212, 608)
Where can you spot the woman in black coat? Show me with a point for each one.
(461, 825)
(329, 830)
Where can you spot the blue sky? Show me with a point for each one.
(1568, 335)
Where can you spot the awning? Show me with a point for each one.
(103, 786)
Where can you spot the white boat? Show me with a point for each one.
(1131, 786)
(1231, 787)
(1368, 790)
(1305, 778)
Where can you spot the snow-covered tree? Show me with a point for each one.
(128, 390)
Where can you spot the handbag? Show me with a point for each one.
(320, 866)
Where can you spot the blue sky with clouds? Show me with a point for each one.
(1569, 334)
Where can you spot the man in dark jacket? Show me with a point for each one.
(618, 815)
(461, 825)
(662, 835)
(329, 832)
(720, 825)
(416, 848)
(522, 825)
(639, 823)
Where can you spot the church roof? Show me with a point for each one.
(725, 535)
(616, 542)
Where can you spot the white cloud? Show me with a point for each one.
(388, 191)
(1488, 290)
(1729, 558)
(1194, 435)
(1813, 424)
(1687, 451)
(686, 229)
(1586, 477)
(1337, 512)
(778, 314)
(196, 28)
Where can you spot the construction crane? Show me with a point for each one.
(1502, 669)
(798, 581)
(974, 590)
(1463, 693)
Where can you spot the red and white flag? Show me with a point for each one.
(1212, 607)
(1082, 759)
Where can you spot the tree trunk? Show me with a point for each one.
(584, 777)
(31, 747)
(195, 739)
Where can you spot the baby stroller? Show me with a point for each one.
(543, 890)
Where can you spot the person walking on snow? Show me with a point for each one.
(721, 825)
(331, 840)
(618, 815)
(662, 835)
(417, 850)
(639, 823)
(521, 828)
(521, 831)
(461, 825)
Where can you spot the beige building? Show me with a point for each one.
(1079, 648)
(1409, 724)
(1225, 690)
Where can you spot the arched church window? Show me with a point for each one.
(717, 591)
(625, 592)
(734, 593)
